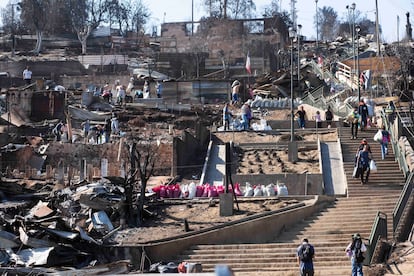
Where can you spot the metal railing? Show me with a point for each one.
(317, 99)
(399, 153)
(378, 232)
(399, 208)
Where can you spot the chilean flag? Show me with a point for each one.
(249, 70)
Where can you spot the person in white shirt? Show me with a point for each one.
(27, 75)
(146, 90)
(120, 93)
(114, 125)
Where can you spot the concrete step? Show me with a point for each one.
(329, 230)
(343, 237)
(263, 246)
(319, 271)
(257, 263)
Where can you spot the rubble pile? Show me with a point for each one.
(44, 225)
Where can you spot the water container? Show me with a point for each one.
(282, 189)
(270, 190)
(192, 189)
(258, 191)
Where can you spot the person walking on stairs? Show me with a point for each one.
(364, 142)
(384, 142)
(226, 116)
(328, 117)
(363, 159)
(363, 113)
(353, 119)
(355, 250)
(301, 114)
(305, 254)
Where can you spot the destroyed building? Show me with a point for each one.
(62, 201)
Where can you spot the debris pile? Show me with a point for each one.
(45, 225)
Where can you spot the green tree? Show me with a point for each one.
(328, 23)
(129, 15)
(345, 26)
(272, 9)
(230, 8)
(59, 21)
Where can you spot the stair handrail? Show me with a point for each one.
(401, 204)
(316, 99)
(398, 151)
(316, 68)
(406, 192)
(378, 232)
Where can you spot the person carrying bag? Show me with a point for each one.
(363, 160)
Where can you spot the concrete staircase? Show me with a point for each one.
(388, 179)
(329, 230)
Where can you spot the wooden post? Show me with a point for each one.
(82, 170)
(104, 167)
(61, 173)
(49, 172)
(89, 168)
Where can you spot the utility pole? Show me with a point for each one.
(398, 30)
(293, 12)
(317, 25)
(192, 17)
(353, 43)
(377, 28)
(13, 40)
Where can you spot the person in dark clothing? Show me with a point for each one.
(328, 117)
(301, 114)
(384, 143)
(107, 129)
(353, 120)
(363, 159)
(364, 143)
(363, 112)
(305, 254)
(352, 251)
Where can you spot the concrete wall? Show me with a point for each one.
(173, 92)
(83, 81)
(219, 36)
(188, 146)
(48, 69)
(71, 154)
(285, 124)
(36, 105)
(244, 231)
(294, 182)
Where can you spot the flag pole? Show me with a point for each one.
(248, 69)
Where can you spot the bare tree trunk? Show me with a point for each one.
(83, 38)
(129, 184)
(83, 42)
(38, 47)
(141, 201)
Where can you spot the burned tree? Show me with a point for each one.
(143, 157)
(35, 15)
(86, 17)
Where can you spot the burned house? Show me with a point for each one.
(224, 44)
